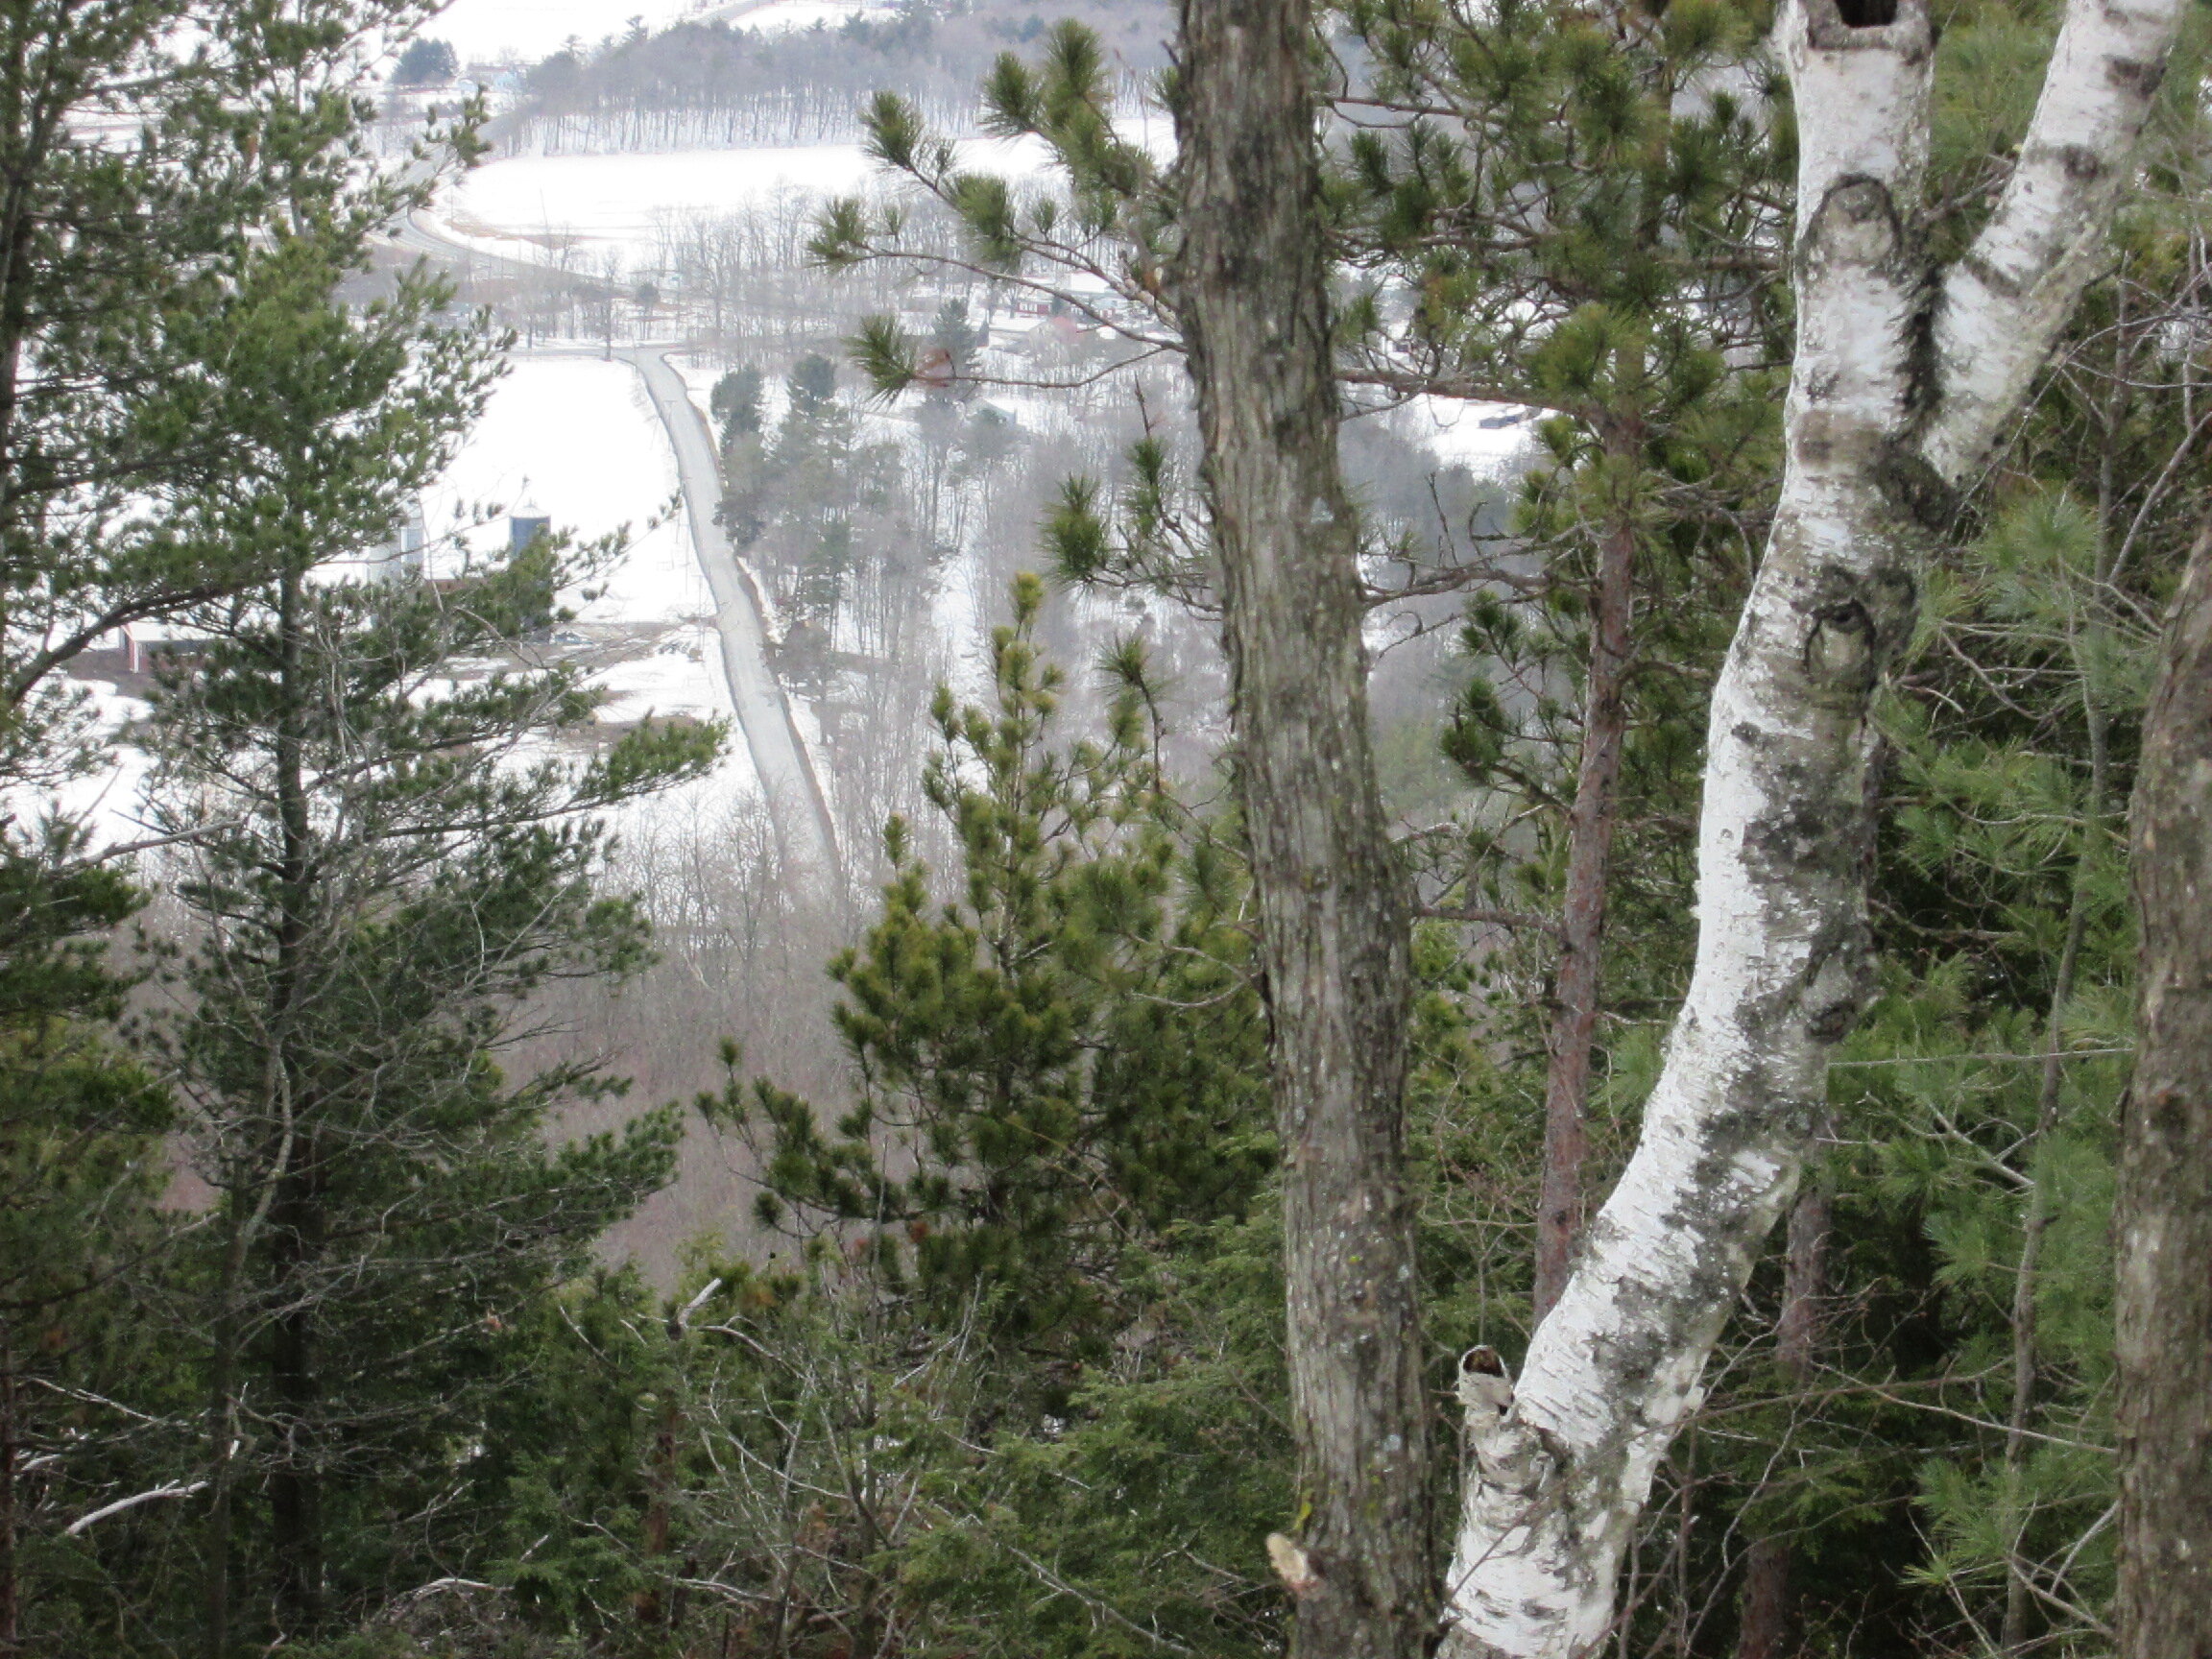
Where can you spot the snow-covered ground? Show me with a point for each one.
(535, 207)
(1487, 439)
(576, 439)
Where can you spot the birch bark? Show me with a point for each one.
(1903, 375)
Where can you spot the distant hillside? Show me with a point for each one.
(716, 85)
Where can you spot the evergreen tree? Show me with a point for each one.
(1055, 1066)
(735, 403)
(166, 301)
(1543, 218)
(154, 295)
(1058, 1131)
(153, 285)
(426, 63)
(818, 502)
(386, 863)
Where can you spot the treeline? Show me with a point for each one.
(723, 86)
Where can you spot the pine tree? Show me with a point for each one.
(1581, 214)
(163, 300)
(735, 403)
(426, 63)
(386, 863)
(1054, 1066)
(1049, 1189)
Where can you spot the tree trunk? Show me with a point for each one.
(1583, 920)
(2163, 1216)
(649, 1603)
(1902, 377)
(265, 1167)
(295, 1484)
(295, 1498)
(222, 1433)
(1770, 1562)
(1333, 899)
(10, 1438)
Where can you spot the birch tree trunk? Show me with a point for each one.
(1333, 906)
(2163, 1217)
(1902, 377)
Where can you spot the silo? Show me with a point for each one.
(525, 524)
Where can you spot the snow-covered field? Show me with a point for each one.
(577, 440)
(1484, 437)
(534, 208)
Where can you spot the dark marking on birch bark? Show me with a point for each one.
(1867, 26)
(1921, 497)
(2131, 75)
(1867, 14)
(2081, 163)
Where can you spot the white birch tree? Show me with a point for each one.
(1904, 374)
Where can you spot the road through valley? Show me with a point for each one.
(806, 830)
(796, 800)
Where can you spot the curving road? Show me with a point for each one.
(801, 810)
(805, 832)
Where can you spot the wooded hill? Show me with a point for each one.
(708, 85)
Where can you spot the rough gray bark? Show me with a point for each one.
(10, 1598)
(2012, 1638)
(1902, 377)
(1250, 288)
(2163, 1215)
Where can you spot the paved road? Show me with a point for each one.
(804, 825)
(418, 233)
(804, 830)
